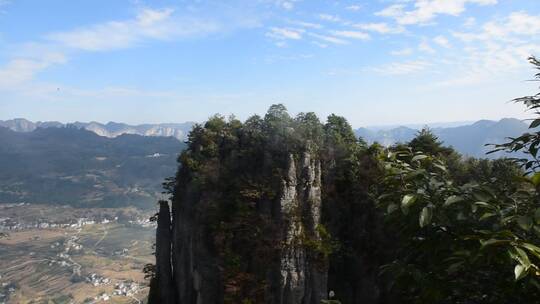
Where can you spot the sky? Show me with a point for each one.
(378, 62)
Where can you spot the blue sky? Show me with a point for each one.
(375, 62)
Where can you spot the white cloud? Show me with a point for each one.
(402, 52)
(498, 47)
(424, 11)
(354, 8)
(402, 68)
(21, 70)
(514, 27)
(442, 41)
(307, 24)
(330, 39)
(425, 47)
(352, 34)
(382, 28)
(470, 22)
(148, 24)
(331, 18)
(280, 33)
(286, 4)
(320, 44)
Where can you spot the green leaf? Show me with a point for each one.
(537, 216)
(419, 157)
(425, 216)
(525, 222)
(408, 200)
(534, 124)
(391, 208)
(487, 215)
(523, 257)
(452, 200)
(520, 272)
(535, 179)
(492, 242)
(484, 204)
(441, 167)
(482, 196)
(532, 248)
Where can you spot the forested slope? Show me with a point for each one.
(67, 165)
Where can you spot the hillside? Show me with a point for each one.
(76, 167)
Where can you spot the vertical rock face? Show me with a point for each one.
(163, 255)
(303, 280)
(251, 220)
(198, 274)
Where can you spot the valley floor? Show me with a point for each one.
(65, 255)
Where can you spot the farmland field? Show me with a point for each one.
(95, 256)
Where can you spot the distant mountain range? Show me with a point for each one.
(107, 165)
(468, 139)
(111, 129)
(73, 166)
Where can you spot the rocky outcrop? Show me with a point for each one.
(301, 279)
(163, 255)
(272, 211)
(111, 129)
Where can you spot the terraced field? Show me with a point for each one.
(55, 265)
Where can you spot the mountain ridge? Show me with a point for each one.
(109, 129)
(470, 140)
(76, 167)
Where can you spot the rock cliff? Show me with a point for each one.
(253, 220)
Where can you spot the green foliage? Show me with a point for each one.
(528, 143)
(468, 229)
(426, 142)
(452, 237)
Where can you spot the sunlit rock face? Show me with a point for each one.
(302, 279)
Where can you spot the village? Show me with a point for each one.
(72, 243)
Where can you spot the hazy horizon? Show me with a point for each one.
(413, 125)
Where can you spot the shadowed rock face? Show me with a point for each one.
(198, 277)
(163, 255)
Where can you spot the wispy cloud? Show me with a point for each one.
(280, 33)
(329, 39)
(442, 41)
(286, 4)
(352, 35)
(402, 52)
(20, 70)
(425, 47)
(331, 18)
(401, 68)
(304, 24)
(382, 28)
(498, 47)
(424, 11)
(149, 24)
(354, 8)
